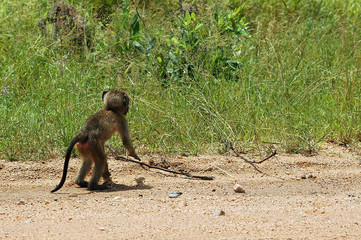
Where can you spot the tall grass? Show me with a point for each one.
(256, 73)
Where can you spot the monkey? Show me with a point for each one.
(91, 138)
(68, 24)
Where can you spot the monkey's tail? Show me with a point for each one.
(66, 163)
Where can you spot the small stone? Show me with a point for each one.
(21, 202)
(116, 198)
(303, 176)
(302, 214)
(174, 194)
(140, 181)
(102, 228)
(238, 189)
(219, 213)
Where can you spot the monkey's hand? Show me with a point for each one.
(136, 157)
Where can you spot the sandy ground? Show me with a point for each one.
(298, 197)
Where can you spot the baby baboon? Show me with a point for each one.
(91, 138)
(68, 24)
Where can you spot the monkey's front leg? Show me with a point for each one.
(98, 171)
(106, 176)
(127, 142)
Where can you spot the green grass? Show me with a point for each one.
(253, 73)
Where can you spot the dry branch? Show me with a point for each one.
(117, 157)
(252, 163)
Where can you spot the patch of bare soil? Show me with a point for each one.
(298, 197)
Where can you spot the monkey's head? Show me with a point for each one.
(116, 100)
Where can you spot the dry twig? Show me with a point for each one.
(117, 157)
(252, 163)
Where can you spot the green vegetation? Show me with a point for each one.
(256, 73)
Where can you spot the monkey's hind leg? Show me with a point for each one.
(84, 170)
(100, 164)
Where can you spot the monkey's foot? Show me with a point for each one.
(82, 184)
(108, 182)
(98, 187)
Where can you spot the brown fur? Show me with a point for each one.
(91, 139)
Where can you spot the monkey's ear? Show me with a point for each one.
(126, 103)
(104, 92)
(125, 100)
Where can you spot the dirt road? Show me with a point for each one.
(299, 197)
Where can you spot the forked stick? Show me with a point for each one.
(117, 157)
(252, 163)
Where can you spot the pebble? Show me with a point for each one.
(102, 228)
(174, 194)
(238, 189)
(219, 213)
(302, 214)
(140, 181)
(304, 176)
